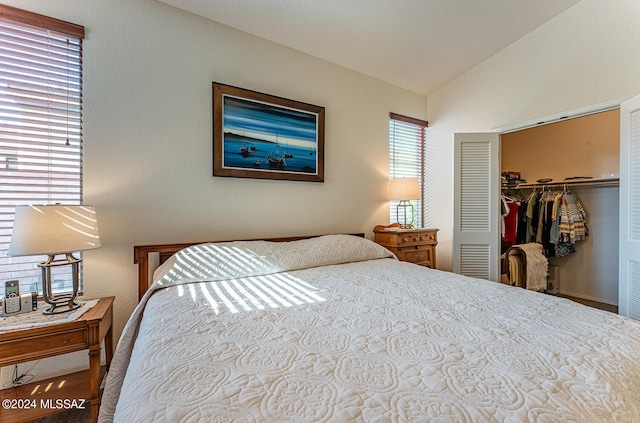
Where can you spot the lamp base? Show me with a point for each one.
(404, 209)
(47, 293)
(71, 304)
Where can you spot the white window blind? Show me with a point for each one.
(40, 128)
(406, 154)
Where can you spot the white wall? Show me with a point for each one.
(148, 70)
(588, 55)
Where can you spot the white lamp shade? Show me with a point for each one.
(55, 229)
(404, 189)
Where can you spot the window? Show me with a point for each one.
(40, 128)
(406, 154)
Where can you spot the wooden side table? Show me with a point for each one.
(411, 245)
(37, 399)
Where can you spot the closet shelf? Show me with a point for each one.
(599, 182)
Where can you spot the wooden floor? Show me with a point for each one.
(595, 304)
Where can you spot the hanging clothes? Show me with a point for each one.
(554, 219)
(532, 216)
(510, 210)
(543, 236)
(521, 230)
(511, 223)
(573, 219)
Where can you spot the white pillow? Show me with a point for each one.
(238, 259)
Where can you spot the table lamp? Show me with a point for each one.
(404, 190)
(55, 230)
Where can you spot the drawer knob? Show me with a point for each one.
(65, 341)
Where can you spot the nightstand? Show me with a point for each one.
(412, 245)
(45, 397)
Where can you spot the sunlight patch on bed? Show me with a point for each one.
(279, 290)
(299, 287)
(192, 292)
(217, 263)
(261, 294)
(234, 279)
(207, 295)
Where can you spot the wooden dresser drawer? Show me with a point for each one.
(48, 344)
(416, 238)
(419, 254)
(428, 237)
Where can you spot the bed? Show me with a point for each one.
(336, 329)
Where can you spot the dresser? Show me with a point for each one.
(413, 245)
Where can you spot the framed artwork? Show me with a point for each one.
(257, 135)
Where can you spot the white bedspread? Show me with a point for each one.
(375, 340)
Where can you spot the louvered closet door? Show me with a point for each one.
(629, 249)
(476, 247)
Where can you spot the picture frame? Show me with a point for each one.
(260, 136)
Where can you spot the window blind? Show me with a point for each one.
(406, 154)
(40, 128)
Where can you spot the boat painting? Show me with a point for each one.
(260, 136)
(247, 123)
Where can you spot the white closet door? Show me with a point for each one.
(476, 248)
(629, 249)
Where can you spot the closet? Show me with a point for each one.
(581, 156)
(476, 200)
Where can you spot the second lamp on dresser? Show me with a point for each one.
(413, 245)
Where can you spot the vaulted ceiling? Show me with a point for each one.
(419, 45)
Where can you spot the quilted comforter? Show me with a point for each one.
(336, 330)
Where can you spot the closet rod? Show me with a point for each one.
(600, 182)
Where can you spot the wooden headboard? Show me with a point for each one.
(141, 255)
